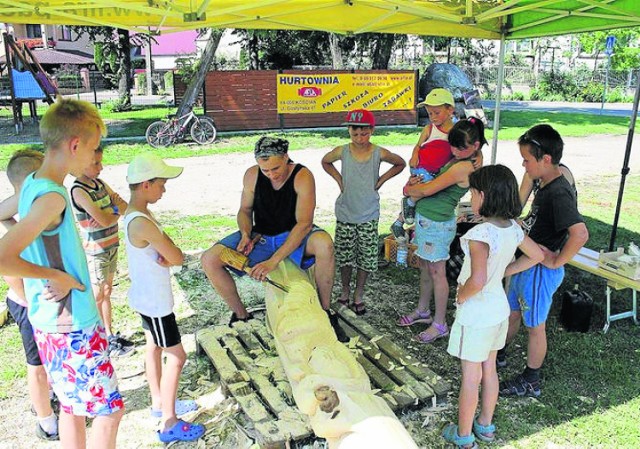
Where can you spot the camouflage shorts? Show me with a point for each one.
(356, 244)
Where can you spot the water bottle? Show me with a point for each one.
(401, 252)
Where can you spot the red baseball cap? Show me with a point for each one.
(360, 117)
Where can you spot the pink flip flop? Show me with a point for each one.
(426, 337)
(420, 317)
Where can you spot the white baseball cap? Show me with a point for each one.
(150, 166)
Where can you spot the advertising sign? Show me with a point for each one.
(312, 93)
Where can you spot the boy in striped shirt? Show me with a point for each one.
(97, 208)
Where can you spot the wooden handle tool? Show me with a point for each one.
(240, 262)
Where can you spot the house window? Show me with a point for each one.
(64, 33)
(34, 31)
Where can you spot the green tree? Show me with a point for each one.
(625, 55)
(113, 57)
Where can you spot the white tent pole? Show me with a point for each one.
(496, 114)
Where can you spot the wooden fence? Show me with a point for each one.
(246, 100)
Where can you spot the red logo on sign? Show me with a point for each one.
(309, 92)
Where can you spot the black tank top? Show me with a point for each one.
(274, 211)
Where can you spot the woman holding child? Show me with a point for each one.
(436, 224)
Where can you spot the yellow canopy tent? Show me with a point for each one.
(489, 19)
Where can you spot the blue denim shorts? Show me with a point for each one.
(433, 238)
(531, 292)
(268, 245)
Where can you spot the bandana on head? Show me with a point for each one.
(270, 146)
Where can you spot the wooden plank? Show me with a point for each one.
(394, 369)
(439, 385)
(229, 373)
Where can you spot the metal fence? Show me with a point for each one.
(524, 77)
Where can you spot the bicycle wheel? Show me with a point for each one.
(159, 134)
(203, 131)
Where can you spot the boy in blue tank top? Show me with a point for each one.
(358, 205)
(44, 248)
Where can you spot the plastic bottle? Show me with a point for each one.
(402, 252)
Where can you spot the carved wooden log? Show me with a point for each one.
(328, 384)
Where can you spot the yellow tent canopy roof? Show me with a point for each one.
(460, 18)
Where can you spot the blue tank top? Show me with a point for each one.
(59, 248)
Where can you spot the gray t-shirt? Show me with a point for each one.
(359, 201)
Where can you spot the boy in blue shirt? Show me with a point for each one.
(44, 249)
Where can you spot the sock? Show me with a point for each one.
(531, 374)
(49, 424)
(410, 202)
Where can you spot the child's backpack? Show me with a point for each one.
(577, 307)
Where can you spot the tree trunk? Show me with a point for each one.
(382, 49)
(328, 383)
(124, 70)
(252, 47)
(336, 51)
(195, 86)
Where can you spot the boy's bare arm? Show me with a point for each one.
(424, 135)
(104, 217)
(142, 229)
(45, 214)
(116, 199)
(327, 165)
(9, 207)
(578, 236)
(398, 164)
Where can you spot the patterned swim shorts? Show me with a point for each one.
(80, 371)
(357, 244)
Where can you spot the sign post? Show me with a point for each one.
(611, 41)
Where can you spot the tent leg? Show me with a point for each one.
(496, 113)
(625, 165)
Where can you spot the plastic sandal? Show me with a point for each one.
(181, 431)
(420, 317)
(450, 434)
(426, 337)
(484, 433)
(183, 406)
(359, 308)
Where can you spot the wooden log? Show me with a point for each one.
(328, 383)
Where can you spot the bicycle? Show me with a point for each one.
(163, 133)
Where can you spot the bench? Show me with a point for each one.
(587, 260)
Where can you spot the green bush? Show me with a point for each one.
(616, 95)
(556, 86)
(592, 92)
(517, 96)
(168, 81)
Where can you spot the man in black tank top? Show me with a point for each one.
(278, 202)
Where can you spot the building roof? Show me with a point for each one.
(174, 44)
(57, 57)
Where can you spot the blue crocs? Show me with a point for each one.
(181, 431)
(450, 434)
(486, 434)
(183, 406)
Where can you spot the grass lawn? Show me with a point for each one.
(513, 124)
(591, 389)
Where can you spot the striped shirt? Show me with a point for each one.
(96, 239)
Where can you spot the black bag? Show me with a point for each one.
(456, 255)
(577, 307)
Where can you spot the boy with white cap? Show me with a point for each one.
(150, 253)
(432, 152)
